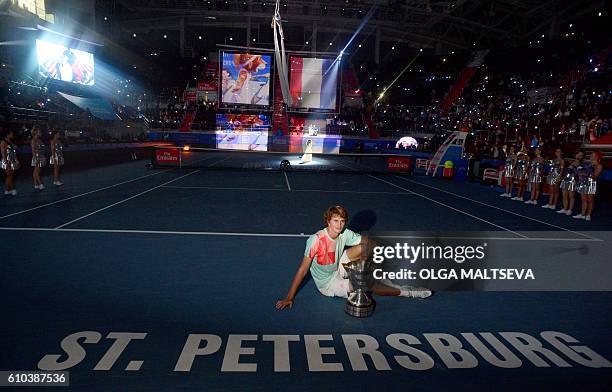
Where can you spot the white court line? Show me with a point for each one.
(225, 188)
(284, 190)
(94, 191)
(358, 192)
(447, 206)
(200, 161)
(82, 194)
(287, 179)
(497, 208)
(231, 234)
(124, 200)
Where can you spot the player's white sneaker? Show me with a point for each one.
(415, 292)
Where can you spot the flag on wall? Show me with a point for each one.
(313, 82)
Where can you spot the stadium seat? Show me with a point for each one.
(492, 175)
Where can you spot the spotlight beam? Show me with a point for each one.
(363, 23)
(397, 77)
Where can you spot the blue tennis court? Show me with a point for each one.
(166, 279)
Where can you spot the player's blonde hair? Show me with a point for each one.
(335, 210)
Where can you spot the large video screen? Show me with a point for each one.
(313, 82)
(61, 63)
(242, 132)
(245, 79)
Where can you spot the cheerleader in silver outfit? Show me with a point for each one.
(520, 174)
(39, 160)
(568, 185)
(553, 179)
(587, 185)
(536, 176)
(509, 171)
(57, 157)
(9, 162)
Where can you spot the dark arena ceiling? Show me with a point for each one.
(439, 25)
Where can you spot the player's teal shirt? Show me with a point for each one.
(326, 253)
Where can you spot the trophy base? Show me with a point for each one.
(359, 304)
(359, 311)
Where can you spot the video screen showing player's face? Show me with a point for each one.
(245, 79)
(66, 64)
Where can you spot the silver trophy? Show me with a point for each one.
(359, 303)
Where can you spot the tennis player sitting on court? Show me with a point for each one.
(322, 257)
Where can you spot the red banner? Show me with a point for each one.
(190, 96)
(168, 156)
(207, 86)
(399, 164)
(457, 89)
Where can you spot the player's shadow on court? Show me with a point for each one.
(363, 221)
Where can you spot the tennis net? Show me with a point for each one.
(181, 157)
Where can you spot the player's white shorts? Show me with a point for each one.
(338, 286)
